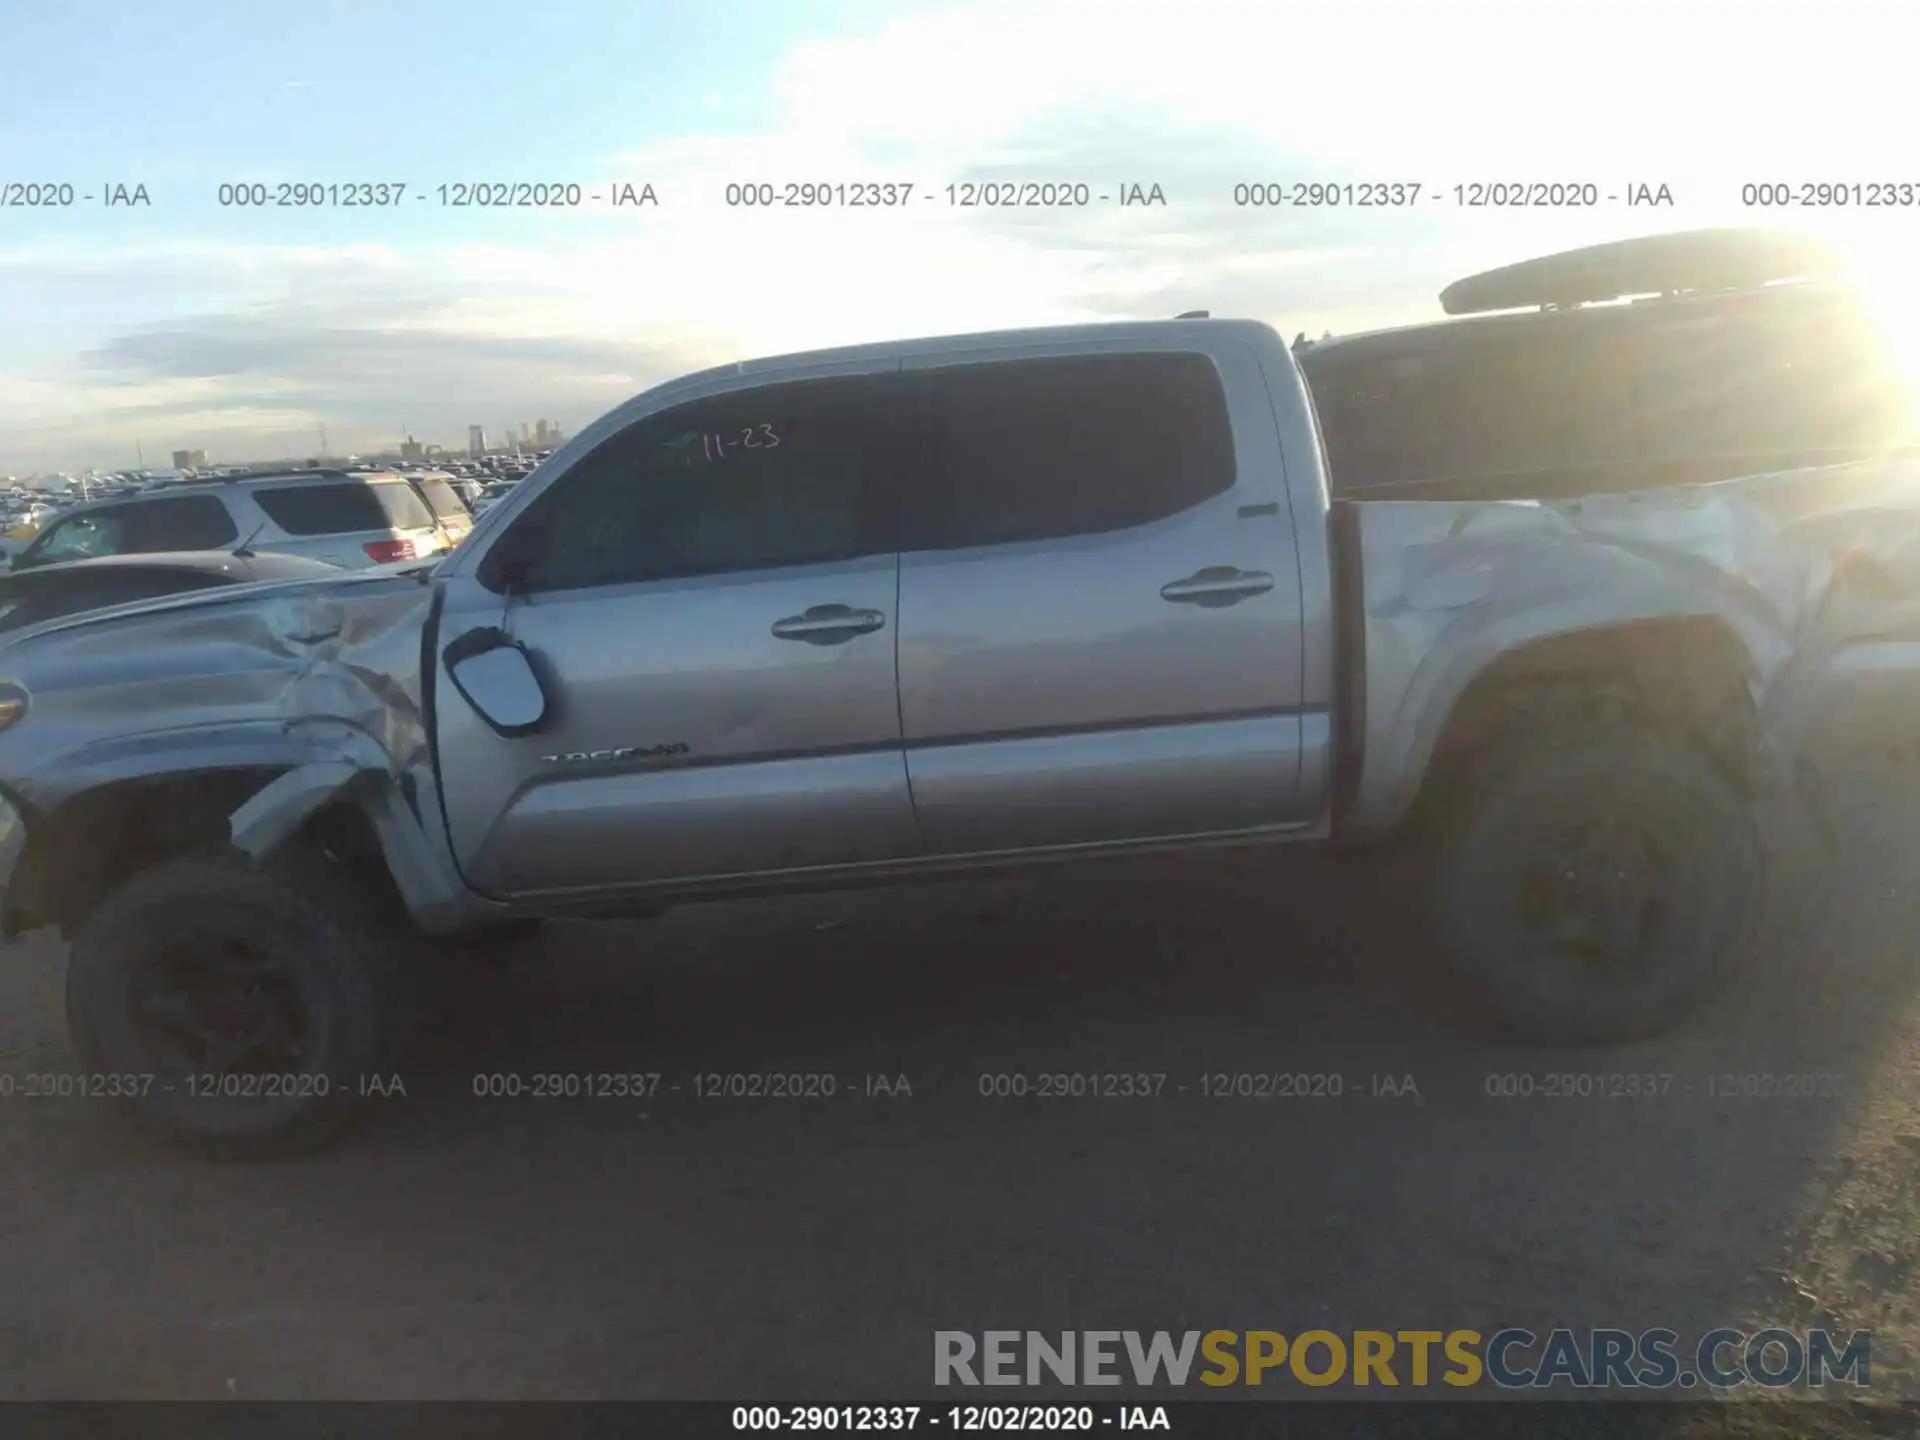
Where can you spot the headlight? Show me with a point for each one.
(13, 703)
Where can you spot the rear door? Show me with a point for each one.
(712, 600)
(1100, 605)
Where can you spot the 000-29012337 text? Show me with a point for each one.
(963, 1418)
(1830, 194)
(65, 1085)
(205, 1085)
(699, 1085)
(1656, 1085)
(1211, 1085)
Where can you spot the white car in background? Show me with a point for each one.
(492, 494)
(352, 520)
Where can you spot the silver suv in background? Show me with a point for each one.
(449, 505)
(348, 520)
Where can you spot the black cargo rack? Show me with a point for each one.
(1688, 261)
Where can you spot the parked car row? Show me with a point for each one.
(348, 520)
(228, 528)
(351, 520)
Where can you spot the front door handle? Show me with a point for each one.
(1217, 585)
(828, 624)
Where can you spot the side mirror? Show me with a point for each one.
(494, 675)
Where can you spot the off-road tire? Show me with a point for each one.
(309, 917)
(1688, 921)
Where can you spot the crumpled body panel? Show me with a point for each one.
(1817, 572)
(271, 674)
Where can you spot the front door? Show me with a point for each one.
(710, 598)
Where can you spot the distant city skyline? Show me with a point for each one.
(410, 451)
(543, 434)
(202, 320)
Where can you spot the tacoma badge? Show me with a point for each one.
(625, 752)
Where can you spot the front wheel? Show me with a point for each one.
(1597, 884)
(236, 1010)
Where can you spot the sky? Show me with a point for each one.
(128, 331)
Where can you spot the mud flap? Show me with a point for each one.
(276, 812)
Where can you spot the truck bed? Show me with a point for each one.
(1815, 573)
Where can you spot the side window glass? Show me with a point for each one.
(1036, 449)
(103, 532)
(792, 474)
(186, 522)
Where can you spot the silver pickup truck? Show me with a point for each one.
(909, 611)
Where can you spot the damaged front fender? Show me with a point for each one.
(318, 680)
(275, 814)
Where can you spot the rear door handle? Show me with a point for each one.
(828, 624)
(1217, 585)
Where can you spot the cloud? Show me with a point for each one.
(219, 345)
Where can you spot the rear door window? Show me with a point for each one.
(1039, 449)
(182, 522)
(344, 509)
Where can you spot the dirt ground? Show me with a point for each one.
(686, 1247)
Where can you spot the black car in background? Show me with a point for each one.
(48, 592)
(1662, 360)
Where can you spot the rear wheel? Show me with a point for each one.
(245, 1007)
(1596, 883)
